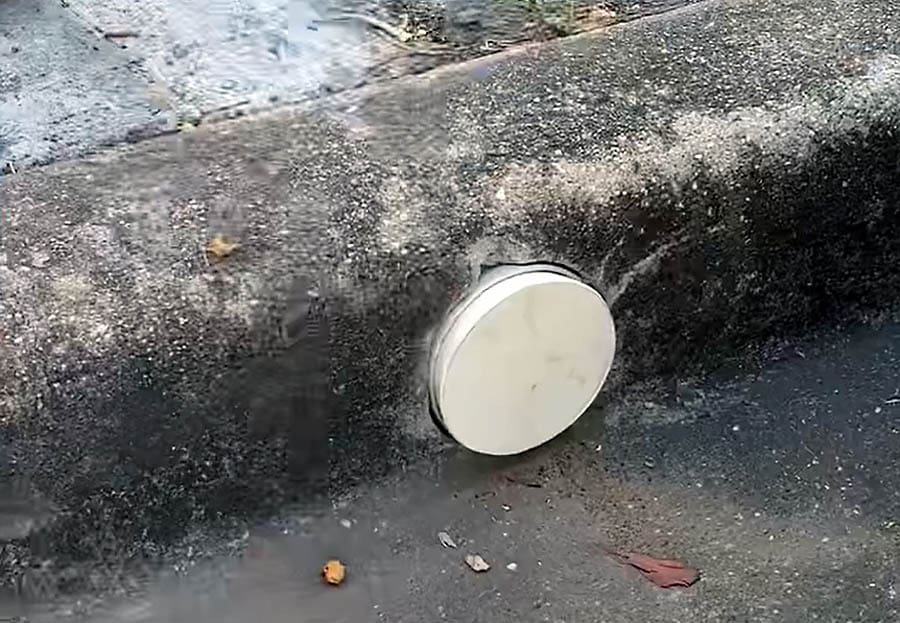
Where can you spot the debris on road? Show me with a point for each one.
(220, 248)
(477, 563)
(446, 540)
(515, 481)
(401, 33)
(664, 573)
(120, 34)
(334, 572)
(512, 566)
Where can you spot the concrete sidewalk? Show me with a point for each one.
(722, 173)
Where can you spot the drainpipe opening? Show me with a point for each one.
(520, 358)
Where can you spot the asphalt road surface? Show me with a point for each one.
(778, 481)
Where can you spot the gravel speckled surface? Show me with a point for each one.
(718, 183)
(78, 75)
(777, 481)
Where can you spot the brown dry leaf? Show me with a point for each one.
(220, 247)
(334, 572)
(477, 563)
(664, 573)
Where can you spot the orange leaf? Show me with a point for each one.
(664, 573)
(333, 572)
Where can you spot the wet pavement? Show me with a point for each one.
(777, 480)
(61, 90)
(67, 86)
(79, 75)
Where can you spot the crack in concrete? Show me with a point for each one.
(642, 268)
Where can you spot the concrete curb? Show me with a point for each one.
(722, 173)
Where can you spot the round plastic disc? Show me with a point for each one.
(521, 361)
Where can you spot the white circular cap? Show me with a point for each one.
(521, 360)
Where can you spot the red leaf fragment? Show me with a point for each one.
(664, 573)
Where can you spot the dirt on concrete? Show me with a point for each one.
(776, 480)
(715, 192)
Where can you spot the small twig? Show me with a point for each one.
(531, 485)
(120, 34)
(397, 36)
(11, 167)
(226, 107)
(395, 32)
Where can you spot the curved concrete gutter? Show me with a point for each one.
(722, 173)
